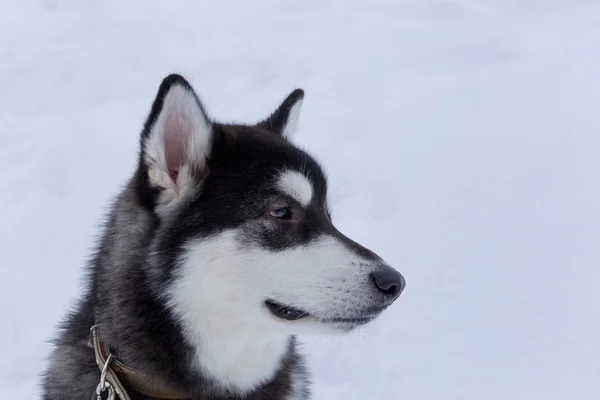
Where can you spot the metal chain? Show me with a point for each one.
(104, 386)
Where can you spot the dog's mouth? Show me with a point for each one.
(285, 312)
(290, 313)
(350, 321)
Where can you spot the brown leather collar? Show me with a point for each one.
(126, 378)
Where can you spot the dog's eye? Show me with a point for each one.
(281, 213)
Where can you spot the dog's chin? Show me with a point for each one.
(311, 322)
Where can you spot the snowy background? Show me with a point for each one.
(462, 140)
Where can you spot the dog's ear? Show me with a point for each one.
(284, 119)
(175, 142)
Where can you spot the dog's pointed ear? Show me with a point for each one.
(176, 140)
(284, 120)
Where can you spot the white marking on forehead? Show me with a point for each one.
(297, 186)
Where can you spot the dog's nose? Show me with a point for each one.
(389, 282)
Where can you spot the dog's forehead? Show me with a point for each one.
(296, 185)
(297, 174)
(287, 168)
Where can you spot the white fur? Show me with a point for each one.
(291, 125)
(220, 291)
(181, 119)
(296, 185)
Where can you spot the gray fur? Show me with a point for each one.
(136, 291)
(119, 270)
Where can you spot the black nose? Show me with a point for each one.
(389, 282)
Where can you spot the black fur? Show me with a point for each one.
(277, 121)
(120, 285)
(138, 250)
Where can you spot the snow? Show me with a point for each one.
(461, 139)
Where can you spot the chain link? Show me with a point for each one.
(104, 385)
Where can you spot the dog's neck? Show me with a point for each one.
(239, 358)
(216, 357)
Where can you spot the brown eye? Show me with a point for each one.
(281, 213)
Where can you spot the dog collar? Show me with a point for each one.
(115, 377)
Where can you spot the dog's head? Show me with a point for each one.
(243, 224)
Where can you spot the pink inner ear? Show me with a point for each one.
(177, 137)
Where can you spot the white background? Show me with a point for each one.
(462, 140)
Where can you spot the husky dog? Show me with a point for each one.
(216, 254)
